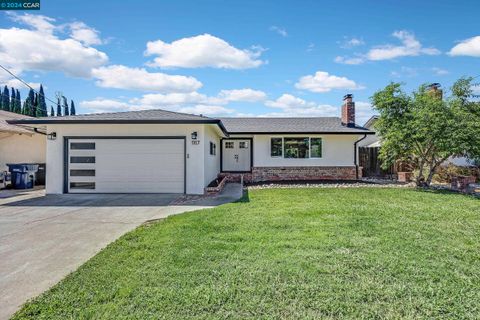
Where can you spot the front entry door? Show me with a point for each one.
(236, 155)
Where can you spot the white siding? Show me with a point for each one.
(18, 148)
(196, 157)
(337, 150)
(212, 162)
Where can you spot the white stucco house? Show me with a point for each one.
(19, 144)
(158, 151)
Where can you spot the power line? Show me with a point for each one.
(25, 83)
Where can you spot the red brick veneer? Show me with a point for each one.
(295, 173)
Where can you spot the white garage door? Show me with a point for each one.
(126, 165)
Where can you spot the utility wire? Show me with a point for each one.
(25, 83)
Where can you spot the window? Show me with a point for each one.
(229, 145)
(82, 185)
(80, 159)
(82, 173)
(82, 146)
(276, 147)
(213, 148)
(243, 145)
(296, 147)
(315, 147)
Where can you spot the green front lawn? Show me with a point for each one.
(288, 253)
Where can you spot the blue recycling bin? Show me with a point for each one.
(23, 175)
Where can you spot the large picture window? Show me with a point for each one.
(276, 147)
(296, 147)
(315, 147)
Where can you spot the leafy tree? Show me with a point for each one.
(6, 99)
(18, 103)
(65, 106)
(72, 108)
(59, 108)
(52, 112)
(425, 129)
(13, 100)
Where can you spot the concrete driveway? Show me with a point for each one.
(44, 238)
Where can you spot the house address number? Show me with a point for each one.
(196, 142)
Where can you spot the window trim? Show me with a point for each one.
(281, 147)
(299, 137)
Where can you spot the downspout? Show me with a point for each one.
(39, 132)
(355, 155)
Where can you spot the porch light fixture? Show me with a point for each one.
(52, 136)
(194, 135)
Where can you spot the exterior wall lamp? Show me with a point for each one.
(194, 135)
(52, 136)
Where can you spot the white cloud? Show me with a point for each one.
(310, 47)
(244, 95)
(293, 106)
(20, 49)
(122, 77)
(201, 51)
(176, 99)
(363, 112)
(279, 30)
(101, 105)
(322, 81)
(410, 46)
(207, 110)
(349, 60)
(85, 34)
(468, 47)
(348, 43)
(407, 72)
(38, 22)
(440, 71)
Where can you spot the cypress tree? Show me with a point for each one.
(6, 99)
(52, 112)
(72, 108)
(13, 100)
(59, 108)
(65, 106)
(26, 107)
(18, 103)
(41, 102)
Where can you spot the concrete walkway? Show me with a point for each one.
(44, 238)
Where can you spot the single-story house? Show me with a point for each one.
(158, 151)
(19, 144)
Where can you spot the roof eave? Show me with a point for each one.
(119, 121)
(303, 132)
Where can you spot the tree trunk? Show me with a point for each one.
(420, 180)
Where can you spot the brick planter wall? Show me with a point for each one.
(302, 173)
(260, 174)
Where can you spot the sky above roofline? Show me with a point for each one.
(237, 58)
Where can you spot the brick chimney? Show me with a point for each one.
(435, 90)
(348, 111)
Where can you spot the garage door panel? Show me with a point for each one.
(139, 187)
(129, 166)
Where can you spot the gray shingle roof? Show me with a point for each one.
(289, 125)
(142, 115)
(10, 128)
(230, 125)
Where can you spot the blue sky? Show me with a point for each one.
(238, 58)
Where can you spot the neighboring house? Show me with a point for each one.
(160, 151)
(19, 144)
